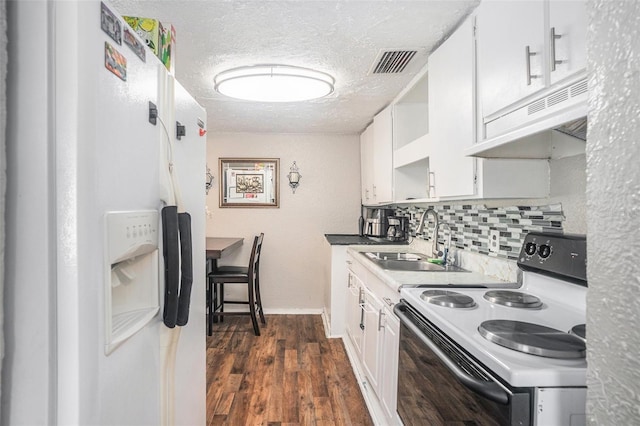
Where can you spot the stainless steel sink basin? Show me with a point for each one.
(408, 262)
(403, 256)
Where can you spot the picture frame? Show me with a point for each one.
(249, 182)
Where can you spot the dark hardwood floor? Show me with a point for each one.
(290, 375)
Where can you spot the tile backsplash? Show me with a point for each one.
(470, 225)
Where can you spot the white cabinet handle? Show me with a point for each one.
(380, 315)
(367, 307)
(552, 41)
(431, 190)
(388, 301)
(528, 55)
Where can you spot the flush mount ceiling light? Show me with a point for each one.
(274, 83)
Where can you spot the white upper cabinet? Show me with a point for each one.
(383, 157)
(567, 38)
(376, 160)
(531, 67)
(452, 100)
(451, 97)
(511, 59)
(366, 165)
(520, 52)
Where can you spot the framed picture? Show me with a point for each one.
(249, 182)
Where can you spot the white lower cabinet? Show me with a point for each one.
(389, 373)
(373, 339)
(373, 331)
(354, 312)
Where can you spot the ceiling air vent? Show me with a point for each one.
(392, 61)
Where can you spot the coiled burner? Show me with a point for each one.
(448, 299)
(513, 299)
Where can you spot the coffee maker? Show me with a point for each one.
(398, 229)
(377, 222)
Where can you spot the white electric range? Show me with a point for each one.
(500, 356)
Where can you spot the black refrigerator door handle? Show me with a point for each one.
(186, 268)
(171, 265)
(489, 390)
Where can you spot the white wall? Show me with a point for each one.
(568, 187)
(568, 183)
(613, 222)
(327, 201)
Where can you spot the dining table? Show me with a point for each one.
(216, 248)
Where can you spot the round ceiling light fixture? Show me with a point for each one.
(274, 83)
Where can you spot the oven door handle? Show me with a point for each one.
(489, 390)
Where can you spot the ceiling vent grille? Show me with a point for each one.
(392, 61)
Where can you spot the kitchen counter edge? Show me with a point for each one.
(397, 279)
(351, 239)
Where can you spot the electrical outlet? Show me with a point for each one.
(494, 240)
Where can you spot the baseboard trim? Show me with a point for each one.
(293, 311)
(277, 311)
(327, 327)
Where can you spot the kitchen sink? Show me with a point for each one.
(407, 261)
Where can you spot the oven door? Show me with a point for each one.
(438, 383)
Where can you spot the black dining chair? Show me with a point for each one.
(249, 275)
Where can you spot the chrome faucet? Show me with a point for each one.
(434, 236)
(445, 252)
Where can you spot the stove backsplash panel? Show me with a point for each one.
(470, 225)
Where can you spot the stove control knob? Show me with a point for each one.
(530, 249)
(544, 251)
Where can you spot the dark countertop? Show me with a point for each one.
(355, 239)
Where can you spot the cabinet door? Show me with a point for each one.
(354, 312)
(366, 165)
(451, 113)
(389, 375)
(372, 340)
(505, 29)
(383, 156)
(568, 22)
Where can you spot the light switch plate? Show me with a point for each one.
(494, 240)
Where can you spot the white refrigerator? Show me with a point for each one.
(104, 155)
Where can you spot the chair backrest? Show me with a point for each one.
(254, 260)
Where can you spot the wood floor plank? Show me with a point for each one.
(221, 368)
(224, 404)
(306, 407)
(260, 393)
(290, 360)
(276, 398)
(323, 410)
(290, 375)
(290, 410)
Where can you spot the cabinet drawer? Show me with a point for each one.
(357, 268)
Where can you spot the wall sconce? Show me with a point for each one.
(294, 177)
(209, 180)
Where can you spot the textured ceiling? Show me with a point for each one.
(342, 38)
